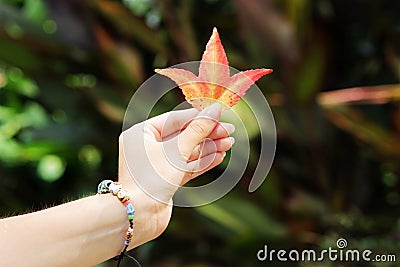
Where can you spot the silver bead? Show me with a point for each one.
(121, 194)
(114, 188)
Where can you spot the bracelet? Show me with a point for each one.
(115, 188)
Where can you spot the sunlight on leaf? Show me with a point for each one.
(80, 80)
(50, 168)
(35, 10)
(138, 7)
(90, 156)
(34, 115)
(49, 26)
(14, 30)
(18, 82)
(10, 150)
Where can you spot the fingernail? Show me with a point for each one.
(232, 139)
(213, 111)
(230, 128)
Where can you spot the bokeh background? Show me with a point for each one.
(69, 68)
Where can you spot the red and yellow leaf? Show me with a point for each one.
(214, 82)
(241, 81)
(214, 65)
(186, 80)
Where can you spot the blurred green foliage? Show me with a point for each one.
(69, 68)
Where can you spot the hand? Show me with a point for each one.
(165, 152)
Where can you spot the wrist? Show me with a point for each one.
(151, 216)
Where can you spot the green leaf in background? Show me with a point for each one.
(90, 156)
(50, 168)
(379, 138)
(35, 10)
(243, 218)
(69, 68)
(16, 80)
(310, 73)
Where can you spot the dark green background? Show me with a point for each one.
(69, 68)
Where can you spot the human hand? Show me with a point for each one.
(165, 152)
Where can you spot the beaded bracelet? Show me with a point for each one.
(115, 188)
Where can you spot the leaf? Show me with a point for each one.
(380, 94)
(214, 53)
(243, 218)
(214, 82)
(50, 168)
(129, 26)
(186, 80)
(352, 121)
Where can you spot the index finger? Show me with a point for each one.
(173, 121)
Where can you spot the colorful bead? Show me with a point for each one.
(130, 231)
(104, 187)
(125, 198)
(129, 235)
(122, 195)
(115, 188)
(130, 209)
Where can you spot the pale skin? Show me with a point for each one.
(91, 230)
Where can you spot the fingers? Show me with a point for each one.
(211, 146)
(171, 122)
(198, 129)
(222, 130)
(203, 165)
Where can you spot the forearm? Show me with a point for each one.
(91, 230)
(79, 233)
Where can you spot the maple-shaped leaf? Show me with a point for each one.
(214, 82)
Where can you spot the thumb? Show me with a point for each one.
(198, 129)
